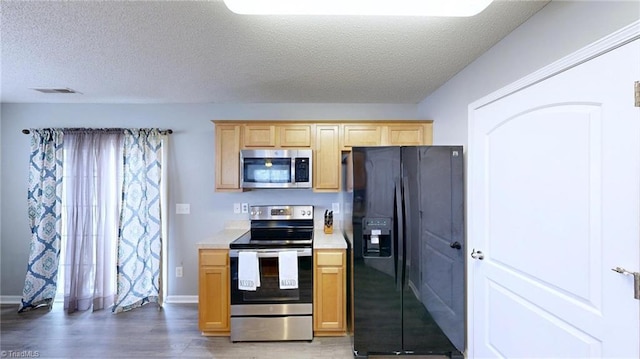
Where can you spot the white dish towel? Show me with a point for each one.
(288, 269)
(248, 271)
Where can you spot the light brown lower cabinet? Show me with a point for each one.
(213, 292)
(329, 292)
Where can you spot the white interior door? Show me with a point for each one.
(554, 198)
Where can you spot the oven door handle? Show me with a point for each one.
(270, 253)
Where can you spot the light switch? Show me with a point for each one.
(183, 208)
(236, 208)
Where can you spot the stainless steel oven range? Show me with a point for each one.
(269, 311)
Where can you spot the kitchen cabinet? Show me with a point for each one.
(227, 164)
(260, 136)
(386, 134)
(276, 136)
(213, 292)
(329, 292)
(408, 135)
(298, 136)
(361, 135)
(327, 139)
(326, 162)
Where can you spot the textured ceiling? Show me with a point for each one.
(199, 52)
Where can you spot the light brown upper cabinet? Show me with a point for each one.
(259, 136)
(327, 139)
(326, 161)
(294, 135)
(227, 157)
(361, 135)
(408, 135)
(276, 135)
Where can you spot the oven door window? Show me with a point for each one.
(269, 291)
(267, 170)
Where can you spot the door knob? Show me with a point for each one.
(455, 245)
(636, 280)
(477, 254)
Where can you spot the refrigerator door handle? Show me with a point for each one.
(406, 222)
(399, 240)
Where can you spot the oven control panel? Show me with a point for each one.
(281, 212)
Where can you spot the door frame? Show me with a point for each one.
(608, 43)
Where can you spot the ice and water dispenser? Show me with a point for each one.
(376, 234)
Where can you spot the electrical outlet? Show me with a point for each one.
(335, 207)
(245, 208)
(236, 208)
(183, 208)
(178, 272)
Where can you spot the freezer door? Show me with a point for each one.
(377, 299)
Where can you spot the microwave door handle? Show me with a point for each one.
(292, 177)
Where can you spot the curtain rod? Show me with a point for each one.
(26, 131)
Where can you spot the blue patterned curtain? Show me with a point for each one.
(140, 240)
(45, 210)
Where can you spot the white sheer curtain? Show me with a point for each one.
(92, 192)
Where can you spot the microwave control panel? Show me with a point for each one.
(302, 169)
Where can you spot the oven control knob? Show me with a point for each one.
(308, 213)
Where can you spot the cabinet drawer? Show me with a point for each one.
(209, 257)
(330, 258)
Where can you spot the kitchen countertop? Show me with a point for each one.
(222, 239)
(322, 240)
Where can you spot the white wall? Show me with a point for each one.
(559, 29)
(191, 171)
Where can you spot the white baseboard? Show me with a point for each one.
(10, 299)
(183, 299)
(192, 299)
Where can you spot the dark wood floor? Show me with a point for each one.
(147, 332)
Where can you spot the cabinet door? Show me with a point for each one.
(227, 157)
(330, 293)
(405, 135)
(294, 135)
(326, 171)
(361, 135)
(213, 293)
(259, 136)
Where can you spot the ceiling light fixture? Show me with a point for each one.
(359, 7)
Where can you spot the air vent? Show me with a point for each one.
(65, 90)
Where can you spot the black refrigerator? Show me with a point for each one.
(408, 250)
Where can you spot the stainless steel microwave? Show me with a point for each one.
(276, 168)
